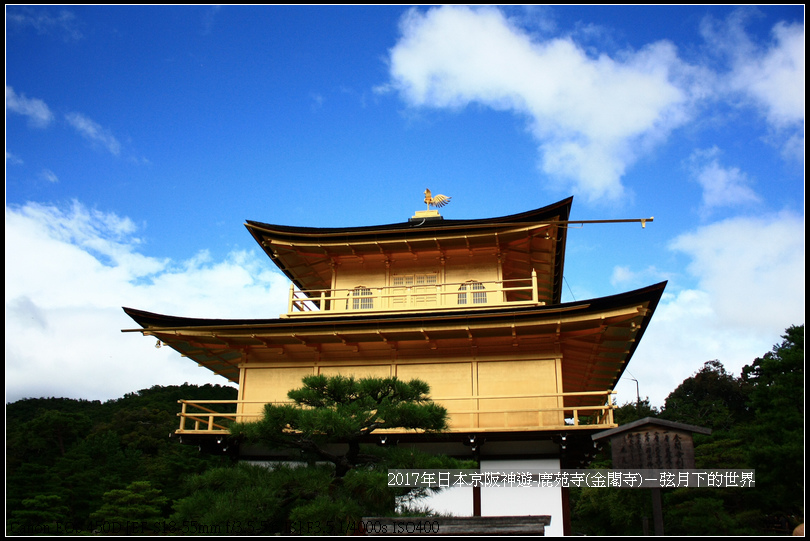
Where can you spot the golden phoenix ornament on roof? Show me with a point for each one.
(438, 201)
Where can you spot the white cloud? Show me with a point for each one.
(11, 159)
(685, 332)
(69, 271)
(38, 113)
(40, 116)
(750, 274)
(594, 115)
(722, 186)
(590, 115)
(624, 276)
(49, 175)
(752, 269)
(316, 101)
(94, 132)
(771, 77)
(44, 22)
(774, 76)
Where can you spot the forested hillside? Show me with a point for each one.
(64, 455)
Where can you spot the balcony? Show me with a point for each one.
(467, 414)
(422, 293)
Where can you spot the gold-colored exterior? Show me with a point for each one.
(471, 307)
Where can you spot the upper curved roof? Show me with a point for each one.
(558, 211)
(526, 240)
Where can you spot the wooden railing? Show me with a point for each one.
(205, 418)
(208, 417)
(465, 295)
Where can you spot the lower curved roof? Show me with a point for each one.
(596, 338)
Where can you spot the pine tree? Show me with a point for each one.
(341, 476)
(338, 409)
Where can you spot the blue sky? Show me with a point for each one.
(139, 140)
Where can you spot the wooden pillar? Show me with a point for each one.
(477, 501)
(566, 510)
(658, 513)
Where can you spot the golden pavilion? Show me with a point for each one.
(473, 307)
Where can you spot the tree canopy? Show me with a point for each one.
(711, 398)
(758, 423)
(776, 435)
(344, 410)
(341, 476)
(68, 459)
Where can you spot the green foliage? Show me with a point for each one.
(711, 398)
(282, 499)
(345, 479)
(345, 410)
(63, 455)
(777, 377)
(46, 435)
(603, 511)
(633, 411)
(776, 437)
(139, 502)
(43, 511)
(757, 422)
(693, 511)
(245, 495)
(341, 407)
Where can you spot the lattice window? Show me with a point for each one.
(477, 293)
(420, 288)
(402, 280)
(425, 279)
(362, 299)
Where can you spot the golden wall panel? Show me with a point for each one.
(379, 371)
(271, 385)
(513, 380)
(450, 385)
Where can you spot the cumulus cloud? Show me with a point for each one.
(685, 332)
(93, 132)
(750, 287)
(722, 186)
(68, 272)
(767, 76)
(591, 115)
(38, 113)
(772, 75)
(775, 77)
(752, 268)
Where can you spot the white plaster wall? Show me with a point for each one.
(451, 501)
(505, 501)
(522, 501)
